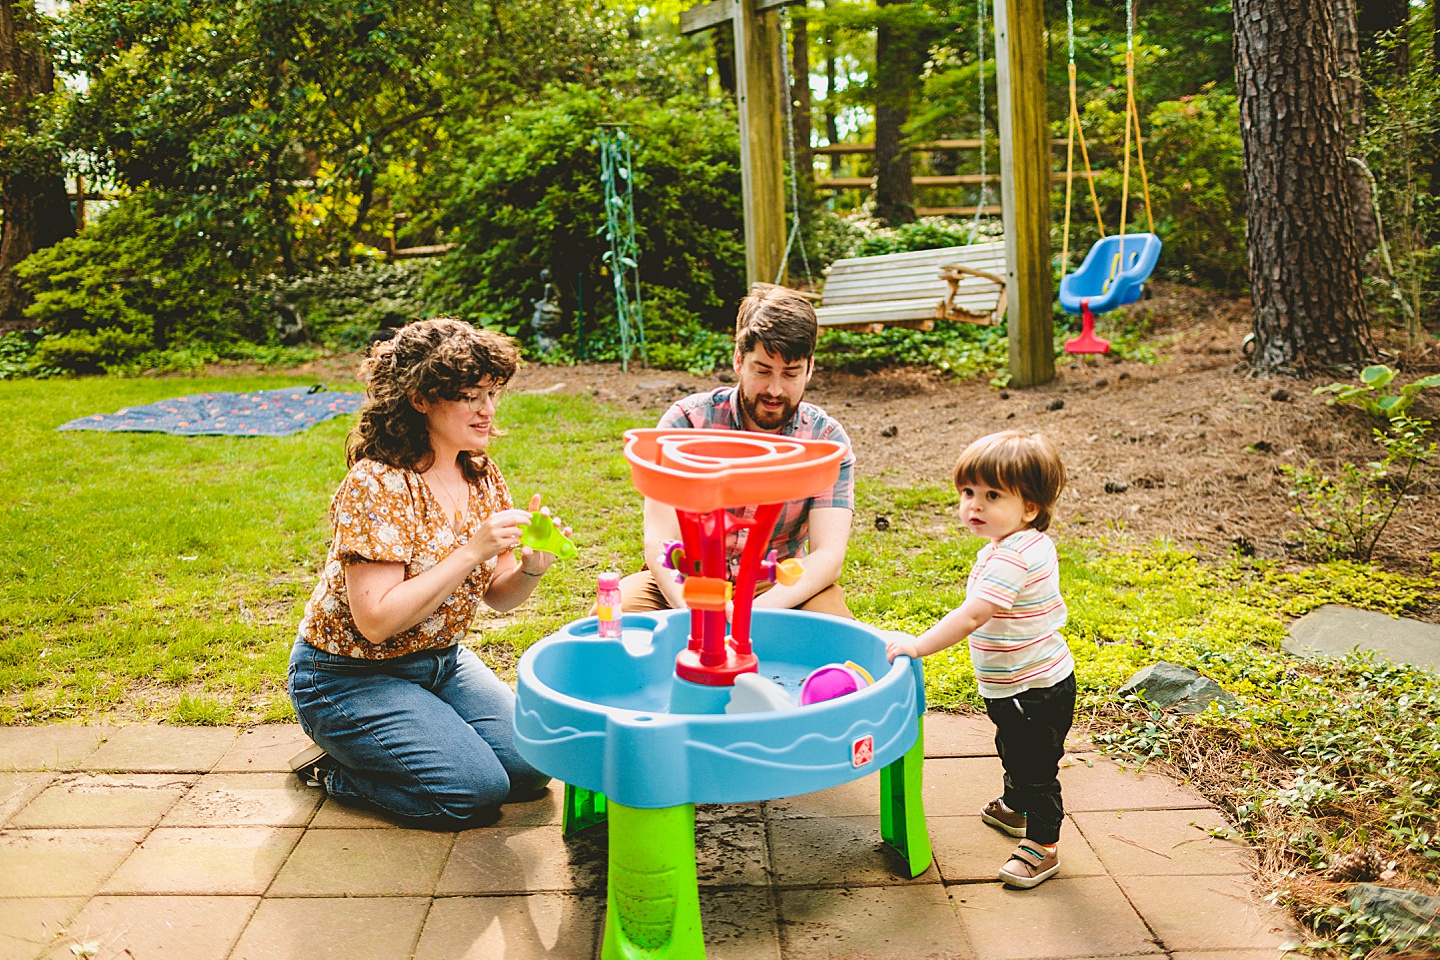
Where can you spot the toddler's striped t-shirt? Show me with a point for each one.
(1020, 648)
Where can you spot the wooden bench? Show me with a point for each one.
(915, 289)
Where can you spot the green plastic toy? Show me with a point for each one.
(542, 534)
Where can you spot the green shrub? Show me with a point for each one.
(89, 351)
(342, 307)
(927, 233)
(525, 195)
(133, 281)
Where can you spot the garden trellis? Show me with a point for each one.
(623, 257)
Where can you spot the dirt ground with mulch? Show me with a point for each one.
(1188, 449)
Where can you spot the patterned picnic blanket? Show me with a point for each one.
(265, 413)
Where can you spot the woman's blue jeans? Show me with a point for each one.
(428, 737)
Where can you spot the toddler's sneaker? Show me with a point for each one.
(998, 815)
(1030, 865)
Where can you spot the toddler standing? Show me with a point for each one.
(1008, 483)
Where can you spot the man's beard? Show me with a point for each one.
(761, 418)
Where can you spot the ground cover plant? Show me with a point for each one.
(161, 577)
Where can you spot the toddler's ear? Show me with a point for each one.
(1031, 512)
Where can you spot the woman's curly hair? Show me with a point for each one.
(426, 360)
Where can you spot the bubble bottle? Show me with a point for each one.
(607, 605)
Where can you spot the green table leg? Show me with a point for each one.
(902, 812)
(583, 808)
(652, 901)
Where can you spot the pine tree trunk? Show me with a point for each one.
(800, 102)
(1352, 105)
(1305, 264)
(36, 206)
(832, 129)
(894, 74)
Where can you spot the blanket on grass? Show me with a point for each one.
(264, 413)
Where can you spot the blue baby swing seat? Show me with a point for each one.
(1113, 274)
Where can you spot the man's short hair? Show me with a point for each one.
(778, 319)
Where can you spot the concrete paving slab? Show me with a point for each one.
(263, 749)
(834, 851)
(957, 787)
(28, 927)
(205, 861)
(104, 800)
(970, 851)
(1063, 917)
(246, 800)
(1235, 955)
(1102, 784)
(364, 863)
(547, 811)
(1165, 843)
(157, 928)
(1333, 631)
(729, 812)
(18, 789)
(553, 926)
(48, 748)
(732, 853)
(877, 923)
(1209, 913)
(740, 924)
(334, 815)
(61, 863)
(319, 928)
(148, 748)
(516, 860)
(959, 735)
(854, 799)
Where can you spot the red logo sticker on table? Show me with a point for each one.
(862, 751)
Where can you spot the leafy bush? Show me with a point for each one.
(17, 351)
(927, 233)
(525, 195)
(342, 307)
(1370, 396)
(132, 281)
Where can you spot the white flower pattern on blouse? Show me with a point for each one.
(387, 514)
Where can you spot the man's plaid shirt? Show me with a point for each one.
(718, 410)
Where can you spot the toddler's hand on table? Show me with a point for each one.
(898, 648)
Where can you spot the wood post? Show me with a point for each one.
(1025, 187)
(762, 139)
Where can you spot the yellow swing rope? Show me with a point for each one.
(1073, 130)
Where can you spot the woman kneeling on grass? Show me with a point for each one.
(407, 720)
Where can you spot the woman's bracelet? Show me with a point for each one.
(529, 574)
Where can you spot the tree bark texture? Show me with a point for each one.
(895, 74)
(1305, 263)
(800, 101)
(36, 206)
(1375, 19)
(832, 129)
(1352, 105)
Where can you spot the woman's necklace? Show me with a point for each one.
(457, 504)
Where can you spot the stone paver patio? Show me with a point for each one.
(149, 843)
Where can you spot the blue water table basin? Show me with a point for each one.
(702, 705)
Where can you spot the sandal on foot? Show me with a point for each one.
(1029, 866)
(998, 815)
(311, 765)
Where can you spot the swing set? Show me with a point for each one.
(1114, 272)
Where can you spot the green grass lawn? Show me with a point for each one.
(161, 577)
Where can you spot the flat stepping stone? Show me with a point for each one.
(1333, 630)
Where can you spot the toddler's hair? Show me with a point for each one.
(1025, 465)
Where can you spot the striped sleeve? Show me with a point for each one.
(1002, 577)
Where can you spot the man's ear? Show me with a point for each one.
(738, 359)
(809, 370)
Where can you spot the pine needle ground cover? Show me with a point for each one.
(159, 577)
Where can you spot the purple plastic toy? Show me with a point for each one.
(833, 680)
